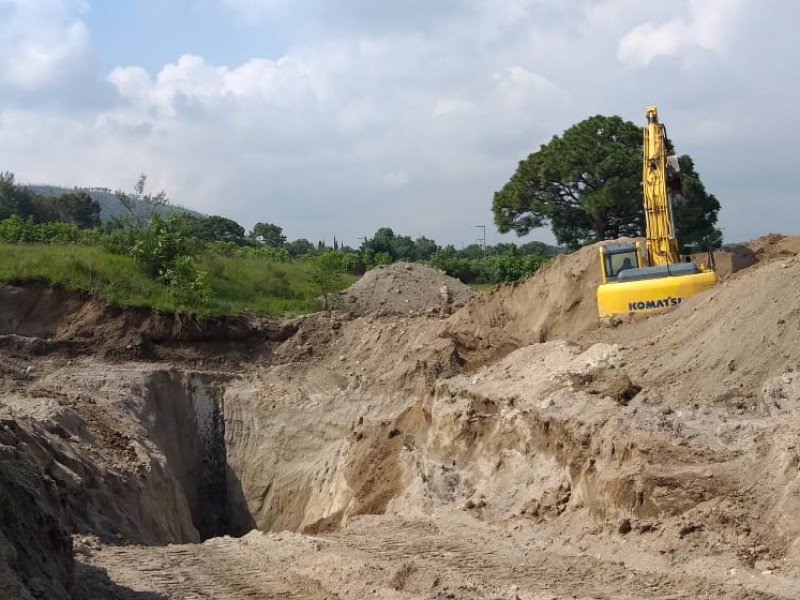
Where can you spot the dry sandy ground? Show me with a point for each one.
(515, 449)
(443, 556)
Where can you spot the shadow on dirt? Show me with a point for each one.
(92, 583)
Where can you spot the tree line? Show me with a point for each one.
(76, 208)
(165, 243)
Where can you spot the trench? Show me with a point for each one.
(242, 465)
(305, 471)
(186, 422)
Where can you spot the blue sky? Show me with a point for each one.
(150, 34)
(339, 117)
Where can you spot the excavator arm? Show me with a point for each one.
(658, 177)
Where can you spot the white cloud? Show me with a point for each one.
(708, 25)
(451, 106)
(520, 83)
(191, 84)
(409, 116)
(42, 42)
(132, 83)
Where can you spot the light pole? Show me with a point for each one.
(482, 239)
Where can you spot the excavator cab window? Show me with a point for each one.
(614, 263)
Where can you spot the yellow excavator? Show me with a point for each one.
(642, 279)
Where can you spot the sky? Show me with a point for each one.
(339, 117)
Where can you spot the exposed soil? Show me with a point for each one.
(407, 289)
(515, 448)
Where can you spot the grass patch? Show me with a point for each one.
(247, 284)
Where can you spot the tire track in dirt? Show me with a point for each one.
(219, 570)
(488, 565)
(393, 560)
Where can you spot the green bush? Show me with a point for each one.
(327, 274)
(15, 230)
(159, 245)
(119, 240)
(187, 284)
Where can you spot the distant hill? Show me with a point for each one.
(110, 206)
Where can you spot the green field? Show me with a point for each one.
(238, 284)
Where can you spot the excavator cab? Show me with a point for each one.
(617, 258)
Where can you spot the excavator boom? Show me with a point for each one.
(662, 247)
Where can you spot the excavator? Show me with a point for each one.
(649, 278)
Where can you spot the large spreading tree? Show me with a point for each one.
(586, 186)
(696, 212)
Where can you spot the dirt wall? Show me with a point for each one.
(35, 545)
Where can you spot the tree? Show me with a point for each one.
(78, 208)
(14, 199)
(696, 213)
(382, 241)
(390, 247)
(538, 249)
(584, 185)
(269, 234)
(157, 246)
(402, 248)
(471, 252)
(300, 247)
(216, 228)
(139, 207)
(424, 248)
(326, 274)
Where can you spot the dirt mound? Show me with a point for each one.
(729, 260)
(558, 301)
(407, 288)
(723, 344)
(774, 245)
(35, 546)
(659, 457)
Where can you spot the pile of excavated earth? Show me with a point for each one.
(423, 443)
(406, 288)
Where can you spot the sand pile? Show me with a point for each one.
(729, 260)
(407, 288)
(726, 342)
(774, 245)
(557, 301)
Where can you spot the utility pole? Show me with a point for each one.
(482, 239)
